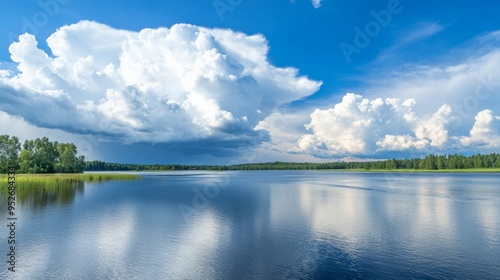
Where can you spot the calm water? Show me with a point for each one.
(262, 225)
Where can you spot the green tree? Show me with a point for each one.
(430, 162)
(9, 152)
(45, 155)
(391, 164)
(39, 156)
(441, 162)
(26, 161)
(478, 161)
(68, 161)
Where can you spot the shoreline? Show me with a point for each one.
(471, 170)
(63, 180)
(127, 175)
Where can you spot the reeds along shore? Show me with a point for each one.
(62, 180)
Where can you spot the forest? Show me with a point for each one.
(430, 162)
(39, 156)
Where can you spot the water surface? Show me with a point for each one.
(262, 225)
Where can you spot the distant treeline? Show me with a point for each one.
(39, 156)
(430, 162)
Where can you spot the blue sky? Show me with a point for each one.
(248, 81)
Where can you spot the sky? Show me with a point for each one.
(235, 81)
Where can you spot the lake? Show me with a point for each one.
(261, 225)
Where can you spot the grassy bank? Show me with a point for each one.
(62, 180)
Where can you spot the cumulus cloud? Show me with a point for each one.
(400, 143)
(485, 132)
(215, 87)
(435, 128)
(465, 78)
(184, 83)
(353, 126)
(428, 132)
(361, 127)
(434, 112)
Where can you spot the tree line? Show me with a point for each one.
(44, 156)
(430, 162)
(439, 162)
(39, 156)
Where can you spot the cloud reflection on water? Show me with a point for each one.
(268, 224)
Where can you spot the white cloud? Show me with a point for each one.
(435, 128)
(316, 3)
(423, 30)
(434, 113)
(353, 126)
(465, 79)
(186, 83)
(428, 132)
(485, 132)
(362, 127)
(189, 83)
(401, 143)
